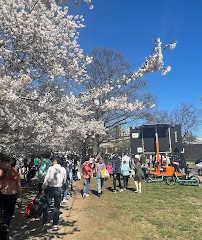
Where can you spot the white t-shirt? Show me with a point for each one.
(127, 159)
(55, 177)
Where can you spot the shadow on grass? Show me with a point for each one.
(94, 192)
(131, 189)
(110, 189)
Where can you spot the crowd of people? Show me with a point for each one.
(55, 175)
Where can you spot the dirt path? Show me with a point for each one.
(85, 224)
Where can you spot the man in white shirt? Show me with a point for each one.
(126, 158)
(55, 178)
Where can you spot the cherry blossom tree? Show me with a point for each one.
(43, 104)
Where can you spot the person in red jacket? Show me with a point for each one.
(87, 170)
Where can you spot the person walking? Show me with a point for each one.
(11, 191)
(43, 168)
(55, 178)
(125, 171)
(139, 176)
(4, 169)
(87, 170)
(117, 172)
(100, 181)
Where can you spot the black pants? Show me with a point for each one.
(117, 177)
(8, 205)
(40, 187)
(125, 181)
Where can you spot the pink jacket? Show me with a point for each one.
(109, 168)
(87, 169)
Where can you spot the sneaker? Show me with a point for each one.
(84, 195)
(136, 191)
(87, 195)
(114, 191)
(65, 201)
(124, 188)
(55, 227)
(121, 190)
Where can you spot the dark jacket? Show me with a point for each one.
(116, 165)
(182, 162)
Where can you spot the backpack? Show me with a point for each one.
(35, 207)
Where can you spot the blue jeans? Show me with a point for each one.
(100, 182)
(86, 184)
(50, 193)
(75, 174)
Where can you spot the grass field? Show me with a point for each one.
(160, 212)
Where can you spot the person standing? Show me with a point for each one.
(55, 178)
(87, 170)
(126, 158)
(182, 163)
(43, 168)
(109, 169)
(139, 176)
(117, 172)
(125, 171)
(100, 181)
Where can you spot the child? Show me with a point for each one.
(109, 169)
(125, 171)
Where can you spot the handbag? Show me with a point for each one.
(104, 173)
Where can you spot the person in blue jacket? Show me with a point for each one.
(117, 172)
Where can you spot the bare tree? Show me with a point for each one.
(108, 67)
(185, 114)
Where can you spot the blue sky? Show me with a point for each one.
(131, 26)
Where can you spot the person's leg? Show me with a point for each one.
(75, 176)
(102, 184)
(119, 179)
(98, 180)
(40, 187)
(88, 185)
(57, 201)
(140, 186)
(114, 181)
(9, 206)
(84, 185)
(136, 186)
(127, 181)
(124, 182)
(47, 202)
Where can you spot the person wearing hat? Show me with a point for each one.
(55, 178)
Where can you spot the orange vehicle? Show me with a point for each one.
(164, 171)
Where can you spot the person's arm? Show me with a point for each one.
(46, 180)
(19, 188)
(64, 176)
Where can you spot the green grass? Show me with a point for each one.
(160, 212)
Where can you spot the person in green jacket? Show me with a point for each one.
(139, 176)
(43, 168)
